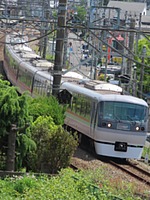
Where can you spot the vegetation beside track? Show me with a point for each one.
(68, 185)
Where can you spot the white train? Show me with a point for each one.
(27, 70)
(112, 123)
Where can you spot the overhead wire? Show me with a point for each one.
(105, 43)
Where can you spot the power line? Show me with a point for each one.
(126, 56)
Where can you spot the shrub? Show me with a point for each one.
(55, 146)
(47, 106)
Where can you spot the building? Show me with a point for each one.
(132, 8)
(136, 10)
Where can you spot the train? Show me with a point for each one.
(107, 120)
(27, 70)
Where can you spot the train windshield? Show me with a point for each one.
(121, 111)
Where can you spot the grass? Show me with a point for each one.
(69, 185)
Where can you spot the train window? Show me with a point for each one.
(122, 111)
(137, 113)
(93, 113)
(87, 109)
(25, 77)
(12, 64)
(8, 57)
(40, 87)
(81, 105)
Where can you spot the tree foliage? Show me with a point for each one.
(55, 146)
(24, 145)
(13, 111)
(13, 108)
(146, 81)
(81, 13)
(47, 106)
(45, 141)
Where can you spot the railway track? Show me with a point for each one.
(74, 167)
(133, 170)
(129, 168)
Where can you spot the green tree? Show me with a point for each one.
(13, 112)
(55, 146)
(146, 81)
(81, 13)
(47, 106)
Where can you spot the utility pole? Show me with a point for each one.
(137, 34)
(65, 48)
(131, 41)
(142, 70)
(59, 54)
(124, 62)
(46, 13)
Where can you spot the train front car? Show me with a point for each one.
(115, 124)
(121, 126)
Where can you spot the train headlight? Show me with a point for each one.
(137, 128)
(109, 125)
(142, 128)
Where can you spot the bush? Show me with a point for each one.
(47, 106)
(55, 146)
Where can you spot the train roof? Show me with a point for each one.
(22, 47)
(70, 74)
(26, 56)
(102, 86)
(71, 87)
(32, 62)
(127, 99)
(101, 94)
(97, 86)
(43, 63)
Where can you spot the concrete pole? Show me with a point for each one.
(59, 54)
(46, 30)
(137, 34)
(124, 63)
(142, 71)
(131, 42)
